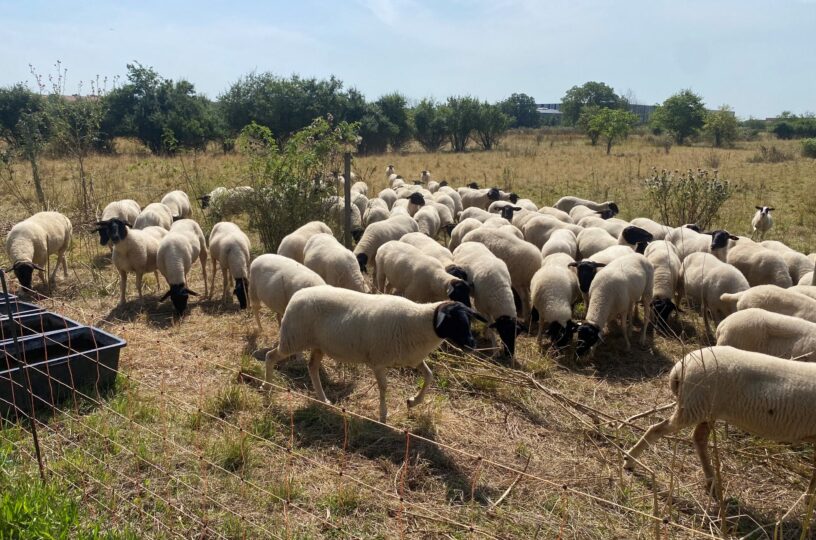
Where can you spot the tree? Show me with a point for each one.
(491, 125)
(395, 107)
(682, 115)
(24, 127)
(463, 116)
(376, 130)
(522, 109)
(590, 93)
(585, 123)
(430, 127)
(721, 125)
(613, 125)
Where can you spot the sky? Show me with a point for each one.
(759, 57)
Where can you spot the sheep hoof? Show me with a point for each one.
(411, 402)
(260, 354)
(628, 464)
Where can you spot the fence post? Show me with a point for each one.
(347, 199)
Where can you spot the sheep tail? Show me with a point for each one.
(731, 299)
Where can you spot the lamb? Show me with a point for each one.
(429, 247)
(773, 298)
(704, 279)
(538, 228)
(134, 250)
(688, 241)
(658, 231)
(378, 330)
(177, 250)
(179, 204)
(666, 263)
(766, 332)
(293, 243)
(560, 241)
(799, 264)
(480, 198)
(154, 215)
(567, 203)
(378, 234)
(226, 202)
(615, 292)
(403, 269)
(126, 210)
(31, 242)
(229, 247)
(389, 196)
(593, 240)
(273, 280)
(762, 221)
(428, 220)
(462, 228)
(760, 265)
(763, 395)
(328, 258)
(553, 290)
(492, 292)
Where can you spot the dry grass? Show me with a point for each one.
(188, 447)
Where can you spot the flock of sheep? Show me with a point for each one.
(439, 257)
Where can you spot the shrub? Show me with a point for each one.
(770, 154)
(689, 197)
(491, 125)
(809, 148)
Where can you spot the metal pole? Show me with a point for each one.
(347, 198)
(27, 376)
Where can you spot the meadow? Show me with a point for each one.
(188, 445)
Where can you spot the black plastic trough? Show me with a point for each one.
(17, 308)
(33, 323)
(82, 359)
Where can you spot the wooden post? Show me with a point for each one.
(347, 199)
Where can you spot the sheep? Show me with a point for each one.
(462, 228)
(337, 213)
(539, 227)
(446, 221)
(134, 250)
(179, 204)
(389, 196)
(447, 200)
(154, 215)
(378, 234)
(761, 222)
(586, 269)
(425, 177)
(475, 213)
(31, 242)
(126, 210)
(360, 201)
(519, 218)
(480, 198)
(497, 222)
(390, 173)
(229, 247)
(553, 290)
(766, 332)
(226, 202)
(556, 213)
(327, 257)
(177, 250)
(615, 292)
(579, 212)
(454, 195)
(496, 206)
(807, 290)
(428, 220)
(798, 263)
(760, 265)
(429, 247)
(567, 203)
(522, 258)
(808, 279)
(688, 241)
(613, 226)
(763, 395)
(593, 240)
(666, 263)
(526, 204)
(403, 269)
(273, 280)
(360, 187)
(560, 241)
(378, 330)
(415, 202)
(704, 279)
(635, 238)
(773, 298)
(658, 231)
(492, 293)
(293, 243)
(433, 186)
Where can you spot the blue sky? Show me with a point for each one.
(757, 56)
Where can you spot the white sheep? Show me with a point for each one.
(556, 213)
(293, 243)
(328, 258)
(579, 212)
(613, 226)
(762, 221)
(154, 215)
(389, 196)
(390, 173)
(658, 231)
(444, 198)
(360, 187)
(759, 265)
(179, 204)
(773, 298)
(455, 197)
(766, 332)
(474, 212)
(360, 201)
(462, 228)
(553, 290)
(766, 396)
(688, 241)
(377, 211)
(380, 331)
(226, 202)
(177, 250)
(378, 234)
(567, 203)
(538, 228)
(592, 240)
(807, 290)
(429, 247)
(229, 247)
(666, 263)
(480, 198)
(425, 177)
(428, 220)
(273, 280)
(525, 204)
(337, 216)
(560, 241)
(799, 264)
(446, 220)
(126, 210)
(31, 242)
(704, 279)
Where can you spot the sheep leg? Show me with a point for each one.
(256, 312)
(314, 374)
(647, 318)
(123, 286)
(700, 438)
(661, 429)
(203, 259)
(382, 383)
(625, 325)
(428, 378)
(42, 278)
(61, 259)
(52, 276)
(272, 357)
(158, 283)
(139, 284)
(212, 280)
(540, 336)
(225, 276)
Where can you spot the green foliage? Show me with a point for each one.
(430, 124)
(682, 115)
(790, 126)
(612, 124)
(721, 125)
(376, 130)
(690, 197)
(585, 123)
(395, 108)
(809, 148)
(462, 119)
(522, 109)
(24, 126)
(770, 154)
(491, 125)
(590, 93)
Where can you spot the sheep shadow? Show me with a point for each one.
(321, 427)
(157, 314)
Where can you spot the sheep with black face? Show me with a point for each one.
(554, 289)
(762, 221)
(229, 247)
(30, 244)
(183, 244)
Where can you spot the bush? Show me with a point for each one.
(809, 148)
(690, 197)
(770, 154)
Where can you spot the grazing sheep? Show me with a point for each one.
(688, 241)
(538, 228)
(446, 221)
(553, 290)
(766, 332)
(444, 198)
(480, 198)
(766, 396)
(227, 202)
(415, 202)
(179, 204)
(658, 231)
(568, 203)
(704, 279)
(519, 218)
(773, 298)
(360, 187)
(126, 210)
(586, 269)
(360, 201)
(337, 213)
(560, 241)
(462, 228)
(377, 210)
(134, 250)
(635, 238)
(378, 234)
(293, 243)
(759, 265)
(389, 196)
(613, 226)
(615, 292)
(380, 331)
(455, 197)
(475, 212)
(31, 242)
(492, 293)
(177, 250)
(429, 247)
(556, 213)
(762, 221)
(154, 215)
(273, 280)
(526, 204)
(328, 258)
(807, 290)
(592, 240)
(229, 247)
(666, 263)
(428, 220)
(799, 264)
(496, 207)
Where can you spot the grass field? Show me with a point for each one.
(189, 446)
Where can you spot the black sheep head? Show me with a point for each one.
(204, 200)
(720, 238)
(662, 309)
(508, 210)
(459, 291)
(23, 271)
(443, 183)
(112, 230)
(588, 335)
(506, 327)
(457, 271)
(493, 194)
(241, 287)
(179, 294)
(449, 228)
(473, 185)
(637, 237)
(417, 199)
(452, 323)
(606, 214)
(356, 234)
(559, 335)
(586, 271)
(362, 260)
(694, 227)
(613, 207)
(513, 198)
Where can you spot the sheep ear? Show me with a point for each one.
(770, 209)
(440, 318)
(758, 207)
(598, 265)
(476, 315)
(165, 297)
(192, 292)
(573, 264)
(732, 237)
(38, 267)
